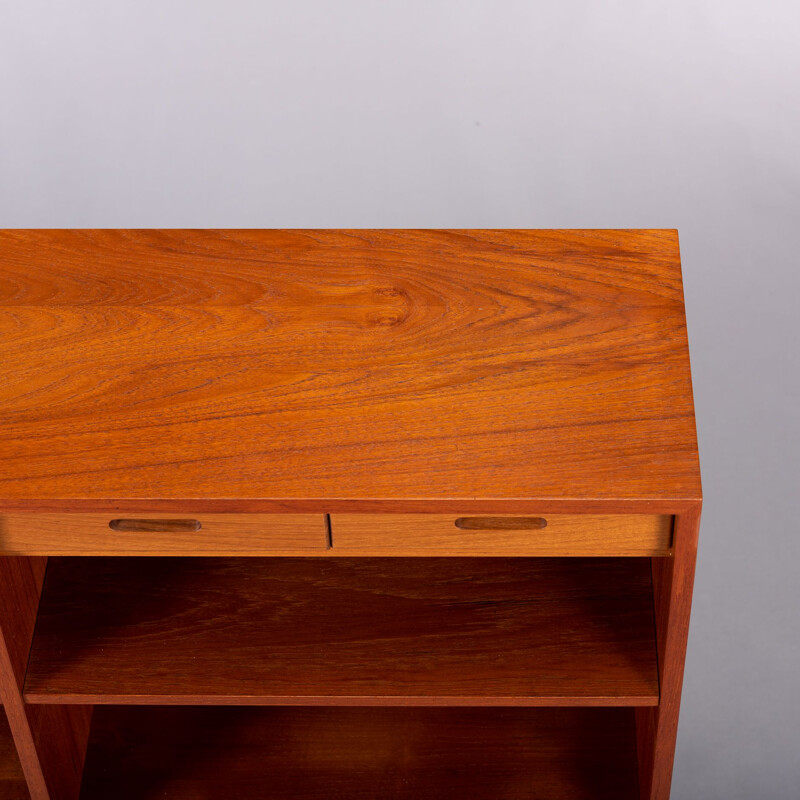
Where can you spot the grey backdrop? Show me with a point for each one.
(463, 113)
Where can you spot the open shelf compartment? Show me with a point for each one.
(238, 753)
(361, 631)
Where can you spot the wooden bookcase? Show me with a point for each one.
(354, 514)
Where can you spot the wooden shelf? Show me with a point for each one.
(229, 753)
(362, 631)
(12, 781)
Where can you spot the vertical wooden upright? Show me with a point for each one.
(657, 728)
(51, 740)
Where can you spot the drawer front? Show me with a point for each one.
(145, 534)
(501, 535)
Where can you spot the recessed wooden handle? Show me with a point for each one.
(501, 523)
(155, 525)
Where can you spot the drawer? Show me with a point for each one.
(501, 535)
(146, 534)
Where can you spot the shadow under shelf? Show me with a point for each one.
(315, 753)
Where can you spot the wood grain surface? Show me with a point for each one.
(432, 631)
(354, 373)
(12, 781)
(294, 368)
(67, 534)
(441, 535)
(361, 754)
(50, 740)
(657, 728)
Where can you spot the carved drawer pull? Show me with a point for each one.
(501, 523)
(155, 525)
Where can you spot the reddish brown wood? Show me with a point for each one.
(433, 631)
(155, 525)
(95, 534)
(673, 581)
(473, 373)
(60, 736)
(501, 523)
(593, 535)
(21, 581)
(301, 366)
(51, 742)
(12, 781)
(334, 505)
(361, 754)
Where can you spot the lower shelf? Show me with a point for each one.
(324, 753)
(12, 782)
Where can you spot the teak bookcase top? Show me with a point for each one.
(304, 367)
(451, 469)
